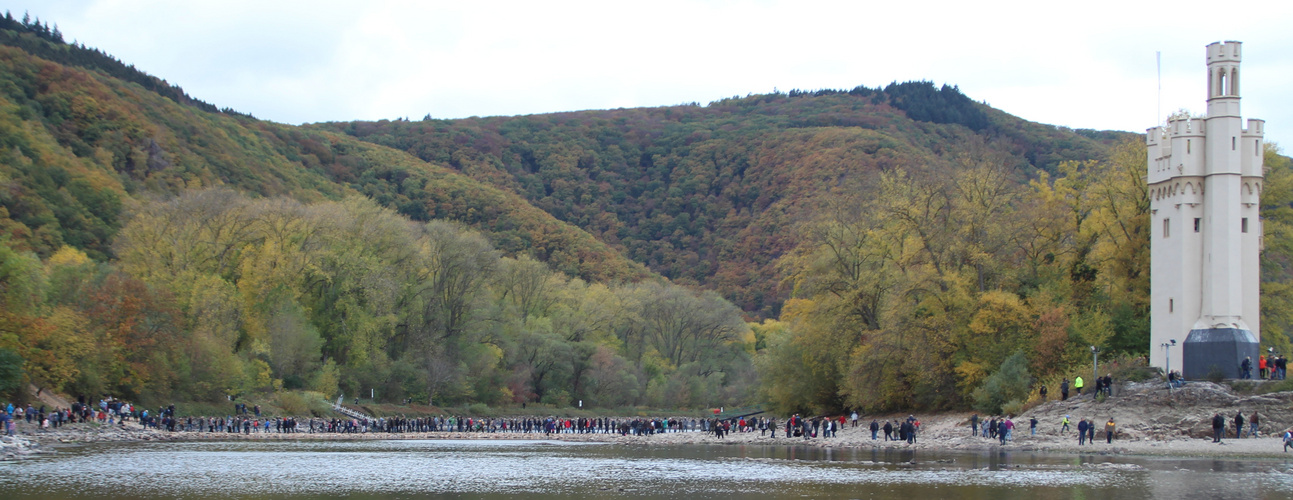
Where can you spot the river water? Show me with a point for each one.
(549, 469)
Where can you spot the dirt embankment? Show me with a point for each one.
(1149, 411)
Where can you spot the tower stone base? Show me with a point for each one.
(1222, 349)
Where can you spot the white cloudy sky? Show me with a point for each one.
(1086, 64)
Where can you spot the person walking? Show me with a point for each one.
(974, 424)
(1042, 392)
(1064, 390)
(1239, 424)
(855, 418)
(1108, 431)
(1077, 384)
(1032, 425)
(1064, 424)
(1252, 422)
(875, 428)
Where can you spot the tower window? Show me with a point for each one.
(1171, 305)
(1187, 146)
(1232, 143)
(1197, 222)
(1167, 227)
(1243, 225)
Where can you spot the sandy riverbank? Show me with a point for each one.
(941, 433)
(1150, 421)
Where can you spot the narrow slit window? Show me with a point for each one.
(1197, 223)
(1167, 227)
(1171, 305)
(1243, 225)
(1232, 143)
(1187, 146)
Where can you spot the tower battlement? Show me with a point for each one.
(1228, 51)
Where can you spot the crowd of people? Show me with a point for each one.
(108, 411)
(1219, 425)
(1274, 367)
(249, 420)
(254, 423)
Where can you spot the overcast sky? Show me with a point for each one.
(1088, 64)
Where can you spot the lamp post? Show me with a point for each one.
(1095, 363)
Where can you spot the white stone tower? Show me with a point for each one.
(1205, 176)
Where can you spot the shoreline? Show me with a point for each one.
(937, 438)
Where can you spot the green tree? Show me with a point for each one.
(1009, 383)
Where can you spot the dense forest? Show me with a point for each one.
(900, 247)
(925, 293)
(215, 294)
(710, 195)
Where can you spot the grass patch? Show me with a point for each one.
(1275, 386)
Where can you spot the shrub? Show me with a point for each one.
(480, 410)
(1009, 383)
(293, 404)
(1215, 375)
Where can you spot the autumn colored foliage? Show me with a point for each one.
(876, 248)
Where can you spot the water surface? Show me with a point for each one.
(551, 469)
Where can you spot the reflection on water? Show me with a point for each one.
(538, 469)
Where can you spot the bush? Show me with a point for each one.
(1215, 375)
(1132, 369)
(11, 372)
(558, 398)
(1008, 384)
(1014, 407)
(292, 404)
(480, 410)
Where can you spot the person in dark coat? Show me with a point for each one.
(1082, 432)
(1064, 390)
(1218, 427)
(1239, 424)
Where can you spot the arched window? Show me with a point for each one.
(1234, 81)
(1221, 84)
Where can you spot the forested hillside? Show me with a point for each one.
(154, 248)
(711, 194)
(76, 143)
